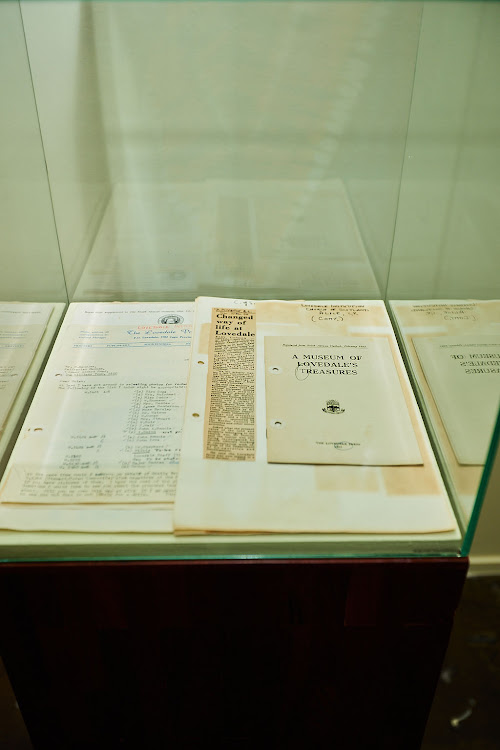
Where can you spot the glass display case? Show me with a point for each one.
(343, 154)
(32, 286)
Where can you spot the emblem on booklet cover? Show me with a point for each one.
(333, 407)
(170, 319)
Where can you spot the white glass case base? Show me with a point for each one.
(70, 546)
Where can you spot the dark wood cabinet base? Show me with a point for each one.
(228, 654)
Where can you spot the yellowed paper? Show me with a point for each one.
(257, 496)
(335, 400)
(230, 416)
(141, 519)
(105, 424)
(434, 319)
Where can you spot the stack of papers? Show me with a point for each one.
(454, 350)
(297, 417)
(300, 418)
(99, 449)
(21, 327)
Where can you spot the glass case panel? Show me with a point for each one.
(444, 282)
(202, 147)
(32, 286)
(338, 151)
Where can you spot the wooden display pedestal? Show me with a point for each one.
(227, 654)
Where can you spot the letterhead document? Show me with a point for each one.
(463, 373)
(21, 327)
(105, 424)
(226, 481)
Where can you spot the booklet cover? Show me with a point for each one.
(336, 400)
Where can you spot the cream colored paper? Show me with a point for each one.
(230, 414)
(463, 373)
(336, 400)
(246, 496)
(88, 519)
(21, 327)
(25, 392)
(106, 421)
(436, 318)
